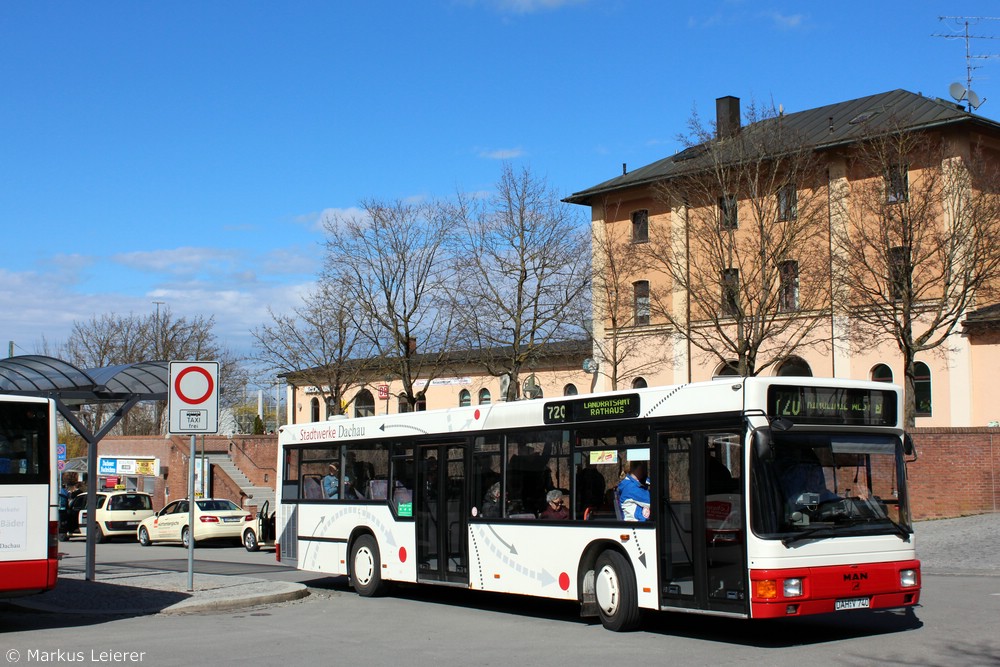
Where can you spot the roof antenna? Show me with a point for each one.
(957, 91)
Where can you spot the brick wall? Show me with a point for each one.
(256, 456)
(957, 472)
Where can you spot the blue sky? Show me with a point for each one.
(186, 151)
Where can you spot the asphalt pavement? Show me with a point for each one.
(963, 546)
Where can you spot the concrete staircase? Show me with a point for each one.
(256, 495)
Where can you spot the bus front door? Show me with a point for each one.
(441, 515)
(702, 552)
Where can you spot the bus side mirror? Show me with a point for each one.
(762, 444)
(909, 449)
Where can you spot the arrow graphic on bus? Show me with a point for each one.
(509, 546)
(543, 576)
(642, 554)
(403, 426)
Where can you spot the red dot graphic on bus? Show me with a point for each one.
(402, 554)
(476, 413)
(564, 581)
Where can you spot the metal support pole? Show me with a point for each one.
(191, 502)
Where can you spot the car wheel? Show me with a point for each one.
(186, 537)
(366, 568)
(250, 540)
(615, 587)
(101, 537)
(144, 537)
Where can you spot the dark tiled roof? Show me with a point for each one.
(982, 319)
(823, 127)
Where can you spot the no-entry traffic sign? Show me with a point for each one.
(193, 401)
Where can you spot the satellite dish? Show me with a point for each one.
(957, 91)
(974, 100)
(590, 365)
(504, 386)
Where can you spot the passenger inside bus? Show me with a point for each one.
(633, 493)
(556, 510)
(491, 503)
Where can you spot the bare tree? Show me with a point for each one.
(751, 257)
(626, 344)
(525, 273)
(917, 240)
(393, 263)
(111, 339)
(319, 343)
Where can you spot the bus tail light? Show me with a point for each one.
(767, 589)
(907, 578)
(53, 539)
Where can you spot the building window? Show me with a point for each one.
(570, 390)
(897, 185)
(899, 272)
(788, 294)
(788, 200)
(794, 367)
(922, 389)
(314, 410)
(639, 383)
(640, 226)
(464, 398)
(484, 397)
(727, 369)
(728, 215)
(881, 373)
(640, 291)
(730, 292)
(404, 405)
(421, 405)
(364, 404)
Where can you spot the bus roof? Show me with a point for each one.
(724, 395)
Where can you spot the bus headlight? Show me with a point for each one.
(907, 578)
(792, 588)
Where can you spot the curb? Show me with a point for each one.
(297, 592)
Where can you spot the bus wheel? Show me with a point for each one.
(250, 540)
(615, 588)
(366, 568)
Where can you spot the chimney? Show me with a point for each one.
(411, 345)
(727, 116)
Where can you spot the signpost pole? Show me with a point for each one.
(191, 501)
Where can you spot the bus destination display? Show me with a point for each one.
(592, 409)
(832, 405)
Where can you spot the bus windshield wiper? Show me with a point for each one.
(897, 529)
(805, 535)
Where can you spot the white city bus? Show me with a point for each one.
(28, 496)
(768, 497)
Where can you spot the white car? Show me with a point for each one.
(214, 519)
(118, 513)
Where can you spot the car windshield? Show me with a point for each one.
(217, 505)
(130, 501)
(827, 485)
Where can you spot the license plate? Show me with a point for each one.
(852, 603)
(131, 524)
(230, 519)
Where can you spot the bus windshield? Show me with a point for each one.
(24, 443)
(821, 485)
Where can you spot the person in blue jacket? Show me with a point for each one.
(633, 493)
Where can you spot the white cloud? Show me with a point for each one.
(502, 153)
(523, 6)
(786, 21)
(185, 260)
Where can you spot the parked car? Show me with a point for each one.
(118, 513)
(260, 531)
(214, 519)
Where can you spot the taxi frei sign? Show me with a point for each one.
(193, 397)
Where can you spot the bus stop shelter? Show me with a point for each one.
(71, 388)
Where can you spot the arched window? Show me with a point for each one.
(922, 389)
(639, 383)
(364, 404)
(881, 373)
(570, 390)
(314, 410)
(404, 405)
(794, 366)
(421, 403)
(484, 397)
(464, 398)
(728, 368)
